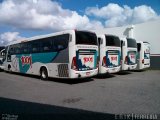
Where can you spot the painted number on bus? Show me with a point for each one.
(88, 59)
(26, 60)
(114, 58)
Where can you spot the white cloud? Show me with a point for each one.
(115, 15)
(9, 37)
(111, 10)
(49, 15)
(143, 13)
(42, 14)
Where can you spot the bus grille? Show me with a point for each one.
(63, 70)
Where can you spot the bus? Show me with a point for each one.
(143, 55)
(129, 51)
(1, 59)
(1, 52)
(66, 54)
(109, 53)
(1, 56)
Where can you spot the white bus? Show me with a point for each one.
(1, 52)
(67, 54)
(143, 55)
(110, 53)
(129, 51)
(2, 55)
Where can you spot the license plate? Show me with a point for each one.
(113, 68)
(87, 73)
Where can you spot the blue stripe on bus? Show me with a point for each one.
(30, 59)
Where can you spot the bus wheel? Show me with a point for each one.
(9, 68)
(44, 73)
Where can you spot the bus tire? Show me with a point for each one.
(43, 73)
(9, 68)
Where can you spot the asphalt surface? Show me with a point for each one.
(127, 92)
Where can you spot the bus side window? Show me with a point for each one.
(46, 45)
(10, 52)
(61, 42)
(35, 46)
(17, 49)
(24, 48)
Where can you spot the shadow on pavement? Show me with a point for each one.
(123, 73)
(59, 80)
(23, 110)
(138, 70)
(103, 76)
(70, 81)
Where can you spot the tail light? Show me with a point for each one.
(126, 60)
(104, 61)
(74, 64)
(143, 61)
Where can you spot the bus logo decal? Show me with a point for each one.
(132, 56)
(114, 58)
(88, 59)
(26, 60)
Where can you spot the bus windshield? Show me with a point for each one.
(112, 41)
(131, 43)
(86, 38)
(1, 48)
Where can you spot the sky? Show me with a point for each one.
(20, 19)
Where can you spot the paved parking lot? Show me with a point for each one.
(127, 92)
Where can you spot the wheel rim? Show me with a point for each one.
(43, 74)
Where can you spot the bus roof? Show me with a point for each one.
(46, 35)
(143, 42)
(146, 42)
(108, 35)
(40, 36)
(130, 38)
(111, 35)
